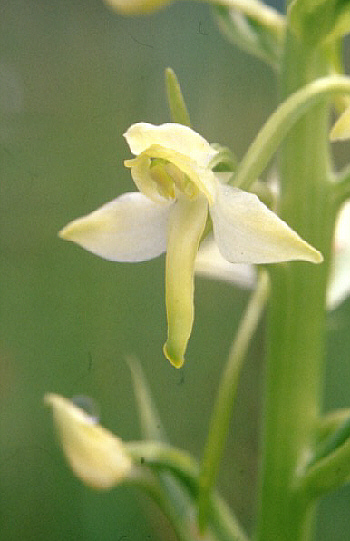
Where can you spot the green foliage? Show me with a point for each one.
(251, 34)
(320, 20)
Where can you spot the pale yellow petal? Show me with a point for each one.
(130, 228)
(172, 137)
(246, 231)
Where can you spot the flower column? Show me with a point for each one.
(296, 318)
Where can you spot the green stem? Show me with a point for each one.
(281, 122)
(163, 457)
(296, 317)
(150, 485)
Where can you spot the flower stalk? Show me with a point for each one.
(163, 457)
(297, 312)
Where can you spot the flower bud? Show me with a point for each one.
(95, 454)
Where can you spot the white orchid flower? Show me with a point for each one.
(95, 455)
(178, 191)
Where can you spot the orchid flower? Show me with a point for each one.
(95, 455)
(178, 192)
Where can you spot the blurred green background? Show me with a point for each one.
(73, 77)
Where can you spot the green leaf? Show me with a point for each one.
(180, 466)
(254, 32)
(280, 122)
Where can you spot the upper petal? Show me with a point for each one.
(129, 228)
(171, 136)
(246, 231)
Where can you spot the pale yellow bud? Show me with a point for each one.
(95, 454)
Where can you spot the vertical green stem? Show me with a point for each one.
(296, 312)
